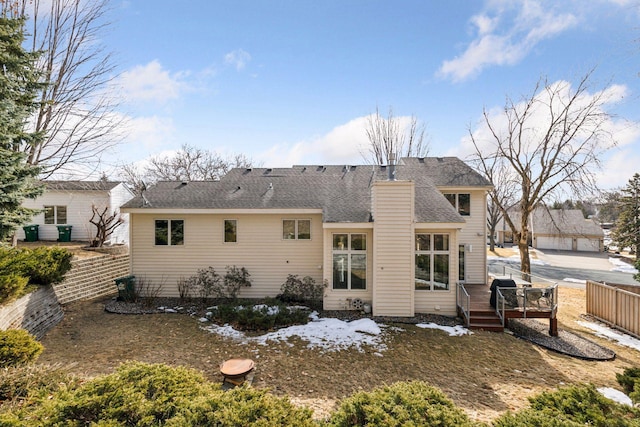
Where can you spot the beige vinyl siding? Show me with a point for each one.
(440, 302)
(260, 248)
(474, 236)
(393, 215)
(78, 212)
(338, 299)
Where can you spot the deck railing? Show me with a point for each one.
(463, 301)
(614, 306)
(527, 296)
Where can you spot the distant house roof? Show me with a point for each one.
(560, 222)
(343, 193)
(81, 185)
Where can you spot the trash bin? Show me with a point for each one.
(64, 233)
(31, 233)
(126, 288)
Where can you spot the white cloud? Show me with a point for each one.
(525, 23)
(342, 145)
(151, 83)
(149, 133)
(238, 59)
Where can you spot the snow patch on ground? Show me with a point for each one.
(325, 333)
(606, 332)
(622, 266)
(615, 395)
(453, 331)
(571, 280)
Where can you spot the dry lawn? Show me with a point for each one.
(484, 373)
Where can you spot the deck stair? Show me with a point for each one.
(481, 314)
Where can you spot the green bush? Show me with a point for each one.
(46, 265)
(304, 290)
(11, 286)
(263, 317)
(18, 347)
(21, 384)
(577, 405)
(628, 379)
(139, 394)
(405, 403)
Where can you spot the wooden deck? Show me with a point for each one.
(483, 316)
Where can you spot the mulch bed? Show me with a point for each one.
(565, 343)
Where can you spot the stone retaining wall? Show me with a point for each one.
(88, 278)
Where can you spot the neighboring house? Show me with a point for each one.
(70, 202)
(560, 229)
(399, 244)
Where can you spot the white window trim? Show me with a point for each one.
(55, 214)
(432, 252)
(224, 232)
(457, 205)
(348, 251)
(169, 221)
(296, 238)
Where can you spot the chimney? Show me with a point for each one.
(392, 167)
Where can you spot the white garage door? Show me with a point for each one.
(559, 243)
(588, 245)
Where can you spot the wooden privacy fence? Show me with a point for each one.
(615, 306)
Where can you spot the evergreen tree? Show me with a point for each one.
(627, 232)
(18, 88)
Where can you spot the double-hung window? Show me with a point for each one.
(55, 214)
(461, 201)
(432, 262)
(169, 232)
(350, 261)
(296, 229)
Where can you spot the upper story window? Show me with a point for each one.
(296, 229)
(460, 201)
(55, 214)
(169, 232)
(230, 231)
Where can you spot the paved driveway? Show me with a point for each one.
(562, 265)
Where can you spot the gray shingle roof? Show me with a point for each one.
(342, 192)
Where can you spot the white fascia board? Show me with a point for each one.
(440, 225)
(354, 225)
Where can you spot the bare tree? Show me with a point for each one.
(188, 164)
(501, 195)
(552, 140)
(391, 135)
(77, 109)
(105, 223)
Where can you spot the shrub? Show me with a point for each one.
(18, 347)
(21, 384)
(139, 394)
(11, 286)
(304, 290)
(234, 279)
(577, 405)
(262, 317)
(404, 403)
(628, 379)
(47, 265)
(42, 266)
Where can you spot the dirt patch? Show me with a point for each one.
(484, 373)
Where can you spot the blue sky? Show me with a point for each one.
(292, 82)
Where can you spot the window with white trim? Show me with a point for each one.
(55, 214)
(296, 229)
(462, 202)
(349, 261)
(432, 262)
(169, 232)
(230, 231)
